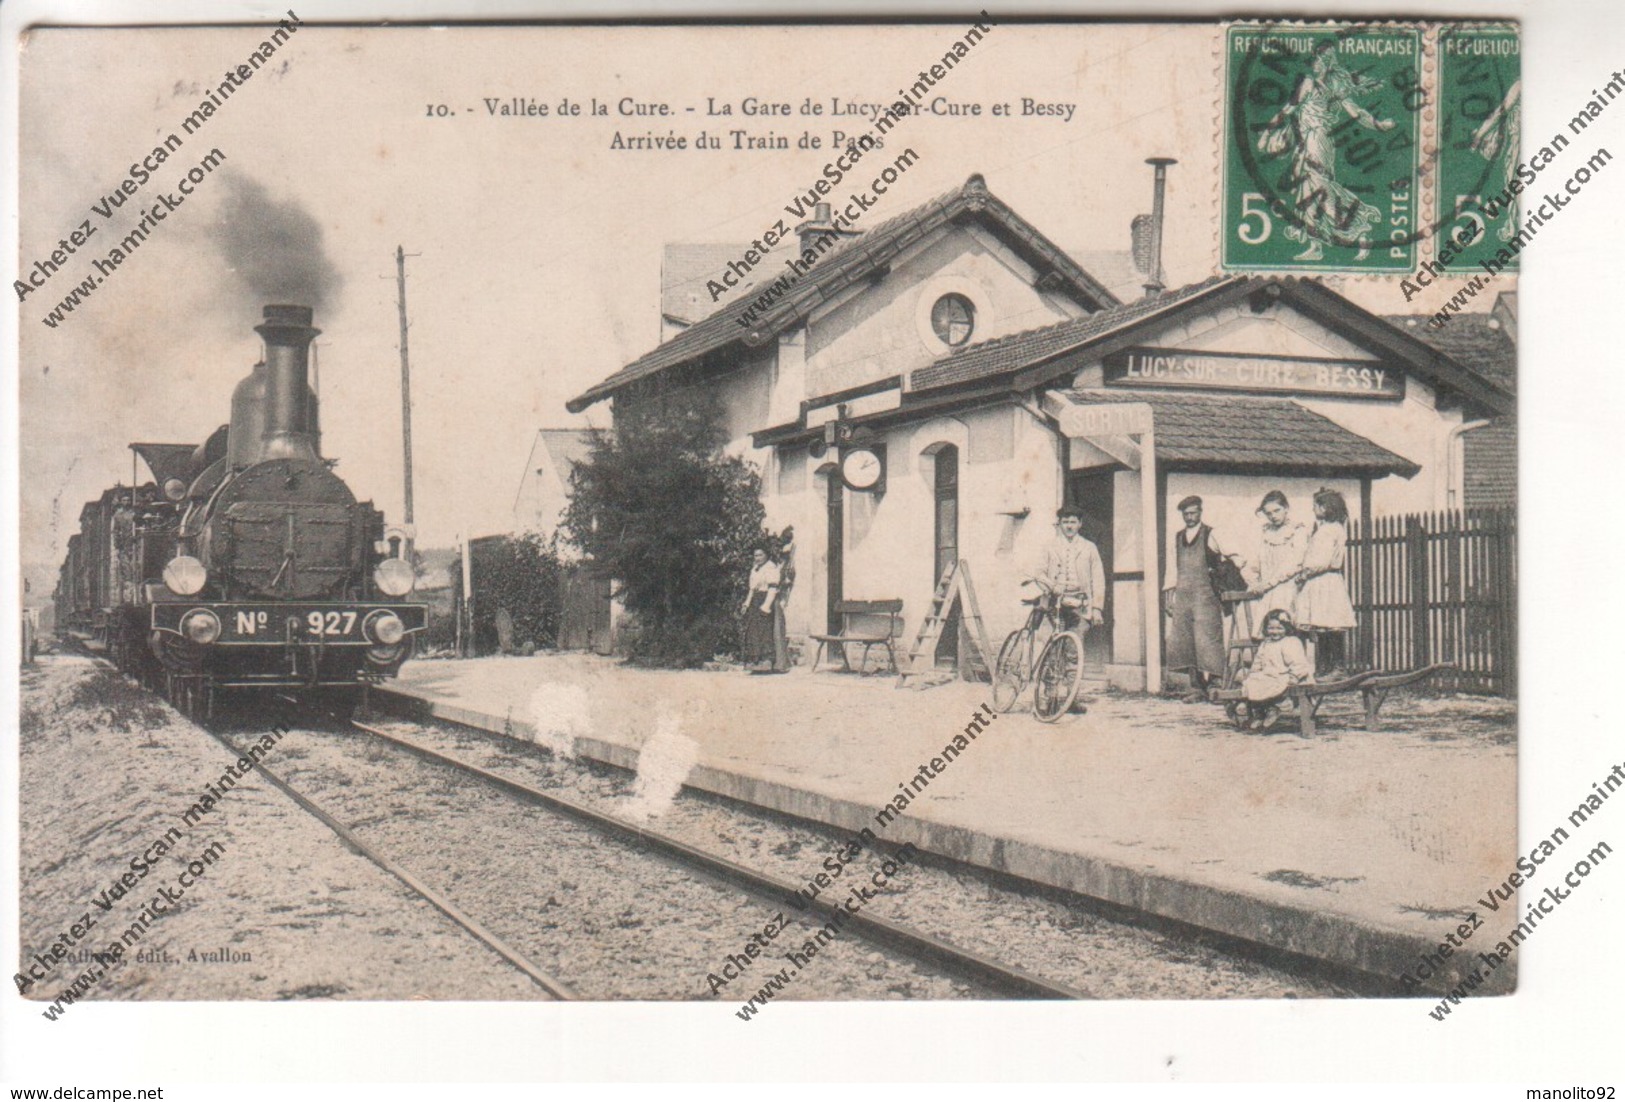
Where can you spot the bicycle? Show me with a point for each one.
(1056, 675)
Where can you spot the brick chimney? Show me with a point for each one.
(808, 233)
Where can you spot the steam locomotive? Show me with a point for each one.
(245, 562)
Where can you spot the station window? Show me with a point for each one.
(953, 319)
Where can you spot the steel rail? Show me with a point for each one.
(542, 979)
(1015, 982)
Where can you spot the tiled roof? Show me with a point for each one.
(1477, 341)
(1489, 464)
(1115, 268)
(1244, 431)
(1475, 361)
(856, 259)
(1023, 349)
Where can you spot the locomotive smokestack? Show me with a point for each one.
(288, 429)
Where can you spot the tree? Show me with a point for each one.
(659, 508)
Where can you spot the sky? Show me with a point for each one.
(534, 247)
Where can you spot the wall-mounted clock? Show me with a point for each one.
(862, 469)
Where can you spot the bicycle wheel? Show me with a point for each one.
(1058, 676)
(1010, 671)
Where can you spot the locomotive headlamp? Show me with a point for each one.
(395, 577)
(185, 575)
(385, 627)
(174, 489)
(387, 657)
(201, 626)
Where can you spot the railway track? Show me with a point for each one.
(416, 883)
(935, 954)
(1001, 980)
(993, 978)
(553, 986)
(1259, 970)
(906, 944)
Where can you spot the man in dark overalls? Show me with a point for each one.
(1196, 628)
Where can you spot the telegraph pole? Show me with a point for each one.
(406, 401)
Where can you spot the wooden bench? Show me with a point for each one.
(1373, 687)
(869, 623)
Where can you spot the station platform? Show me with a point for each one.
(1359, 848)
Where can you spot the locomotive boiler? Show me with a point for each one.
(246, 562)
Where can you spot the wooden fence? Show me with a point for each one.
(1438, 587)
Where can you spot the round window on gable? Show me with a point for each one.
(953, 319)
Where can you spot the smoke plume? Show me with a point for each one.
(275, 248)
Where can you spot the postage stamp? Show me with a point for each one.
(1322, 158)
(1480, 110)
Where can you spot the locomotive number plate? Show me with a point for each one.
(262, 624)
(331, 623)
(259, 625)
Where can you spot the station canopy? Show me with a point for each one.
(1243, 433)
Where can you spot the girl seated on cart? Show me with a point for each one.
(1280, 663)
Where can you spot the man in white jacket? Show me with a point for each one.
(1072, 568)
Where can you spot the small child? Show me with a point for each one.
(1280, 663)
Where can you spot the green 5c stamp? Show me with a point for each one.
(1480, 112)
(1321, 148)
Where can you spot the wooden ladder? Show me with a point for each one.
(955, 585)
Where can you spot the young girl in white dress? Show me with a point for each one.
(1280, 557)
(1323, 605)
(1279, 663)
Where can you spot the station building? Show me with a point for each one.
(934, 389)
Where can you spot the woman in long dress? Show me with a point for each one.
(1323, 607)
(1280, 556)
(757, 643)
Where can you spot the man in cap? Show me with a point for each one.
(1196, 633)
(1072, 569)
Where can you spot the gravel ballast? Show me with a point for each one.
(285, 911)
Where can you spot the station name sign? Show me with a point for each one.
(1172, 367)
